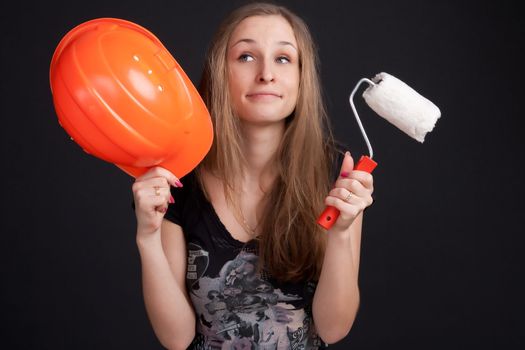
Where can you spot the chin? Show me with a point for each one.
(264, 119)
(262, 116)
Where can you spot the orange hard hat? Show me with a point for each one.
(123, 98)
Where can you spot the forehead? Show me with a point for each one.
(264, 29)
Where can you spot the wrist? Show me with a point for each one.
(339, 235)
(147, 238)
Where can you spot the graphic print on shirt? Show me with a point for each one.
(239, 310)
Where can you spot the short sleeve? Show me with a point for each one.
(338, 157)
(175, 212)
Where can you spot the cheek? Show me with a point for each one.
(293, 89)
(235, 83)
(293, 83)
(231, 81)
(235, 92)
(233, 87)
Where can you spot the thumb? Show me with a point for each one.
(347, 165)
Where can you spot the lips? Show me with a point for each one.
(263, 94)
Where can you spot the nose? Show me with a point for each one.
(266, 74)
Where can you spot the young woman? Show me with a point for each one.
(238, 261)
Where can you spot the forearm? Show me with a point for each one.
(167, 304)
(336, 299)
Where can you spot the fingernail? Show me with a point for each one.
(178, 183)
(171, 200)
(347, 153)
(345, 174)
(163, 210)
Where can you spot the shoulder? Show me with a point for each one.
(186, 197)
(191, 187)
(337, 153)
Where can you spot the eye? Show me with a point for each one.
(245, 58)
(282, 59)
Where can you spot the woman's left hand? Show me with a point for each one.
(351, 194)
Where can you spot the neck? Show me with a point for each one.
(261, 144)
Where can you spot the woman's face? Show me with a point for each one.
(263, 67)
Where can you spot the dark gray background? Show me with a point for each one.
(442, 264)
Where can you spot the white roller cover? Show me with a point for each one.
(402, 106)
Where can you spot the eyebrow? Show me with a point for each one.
(251, 41)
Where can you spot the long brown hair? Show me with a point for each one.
(291, 244)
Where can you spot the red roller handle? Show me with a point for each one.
(330, 214)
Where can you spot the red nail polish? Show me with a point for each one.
(179, 184)
(172, 200)
(345, 174)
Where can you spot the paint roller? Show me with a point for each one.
(400, 105)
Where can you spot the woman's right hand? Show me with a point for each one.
(151, 192)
